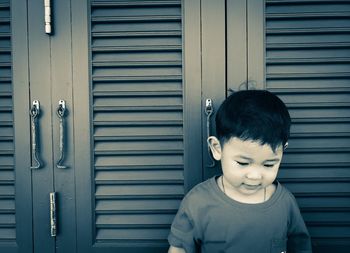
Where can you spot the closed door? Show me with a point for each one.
(294, 49)
(130, 145)
(305, 46)
(118, 67)
(38, 70)
(135, 76)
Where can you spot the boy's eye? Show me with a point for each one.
(242, 163)
(269, 165)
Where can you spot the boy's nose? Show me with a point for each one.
(254, 175)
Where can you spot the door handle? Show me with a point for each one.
(209, 109)
(34, 113)
(61, 113)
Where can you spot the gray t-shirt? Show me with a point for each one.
(208, 221)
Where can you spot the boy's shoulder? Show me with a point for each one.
(285, 190)
(286, 197)
(202, 190)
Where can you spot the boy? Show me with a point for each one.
(244, 210)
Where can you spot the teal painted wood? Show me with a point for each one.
(192, 81)
(214, 84)
(7, 136)
(24, 218)
(129, 192)
(307, 66)
(15, 205)
(61, 89)
(40, 89)
(255, 44)
(237, 44)
(81, 121)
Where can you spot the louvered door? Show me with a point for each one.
(307, 65)
(136, 129)
(33, 67)
(300, 51)
(124, 143)
(134, 183)
(15, 188)
(7, 194)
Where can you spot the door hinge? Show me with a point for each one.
(53, 218)
(47, 9)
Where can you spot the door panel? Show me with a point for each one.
(136, 170)
(41, 81)
(15, 178)
(213, 70)
(40, 89)
(236, 47)
(135, 76)
(255, 44)
(305, 62)
(7, 141)
(62, 85)
(305, 68)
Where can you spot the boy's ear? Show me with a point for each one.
(215, 147)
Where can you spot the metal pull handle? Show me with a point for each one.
(53, 218)
(61, 111)
(34, 113)
(209, 109)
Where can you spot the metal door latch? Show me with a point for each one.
(209, 109)
(208, 106)
(53, 218)
(61, 113)
(34, 114)
(47, 6)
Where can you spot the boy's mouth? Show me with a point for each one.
(251, 186)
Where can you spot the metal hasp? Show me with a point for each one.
(53, 218)
(61, 112)
(34, 114)
(208, 106)
(47, 6)
(209, 109)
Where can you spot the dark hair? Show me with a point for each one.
(256, 115)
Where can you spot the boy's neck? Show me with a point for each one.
(260, 197)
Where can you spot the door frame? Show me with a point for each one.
(83, 139)
(192, 85)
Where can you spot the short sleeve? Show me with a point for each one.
(182, 230)
(298, 237)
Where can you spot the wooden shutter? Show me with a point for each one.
(307, 65)
(136, 62)
(7, 178)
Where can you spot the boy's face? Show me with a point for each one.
(247, 166)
